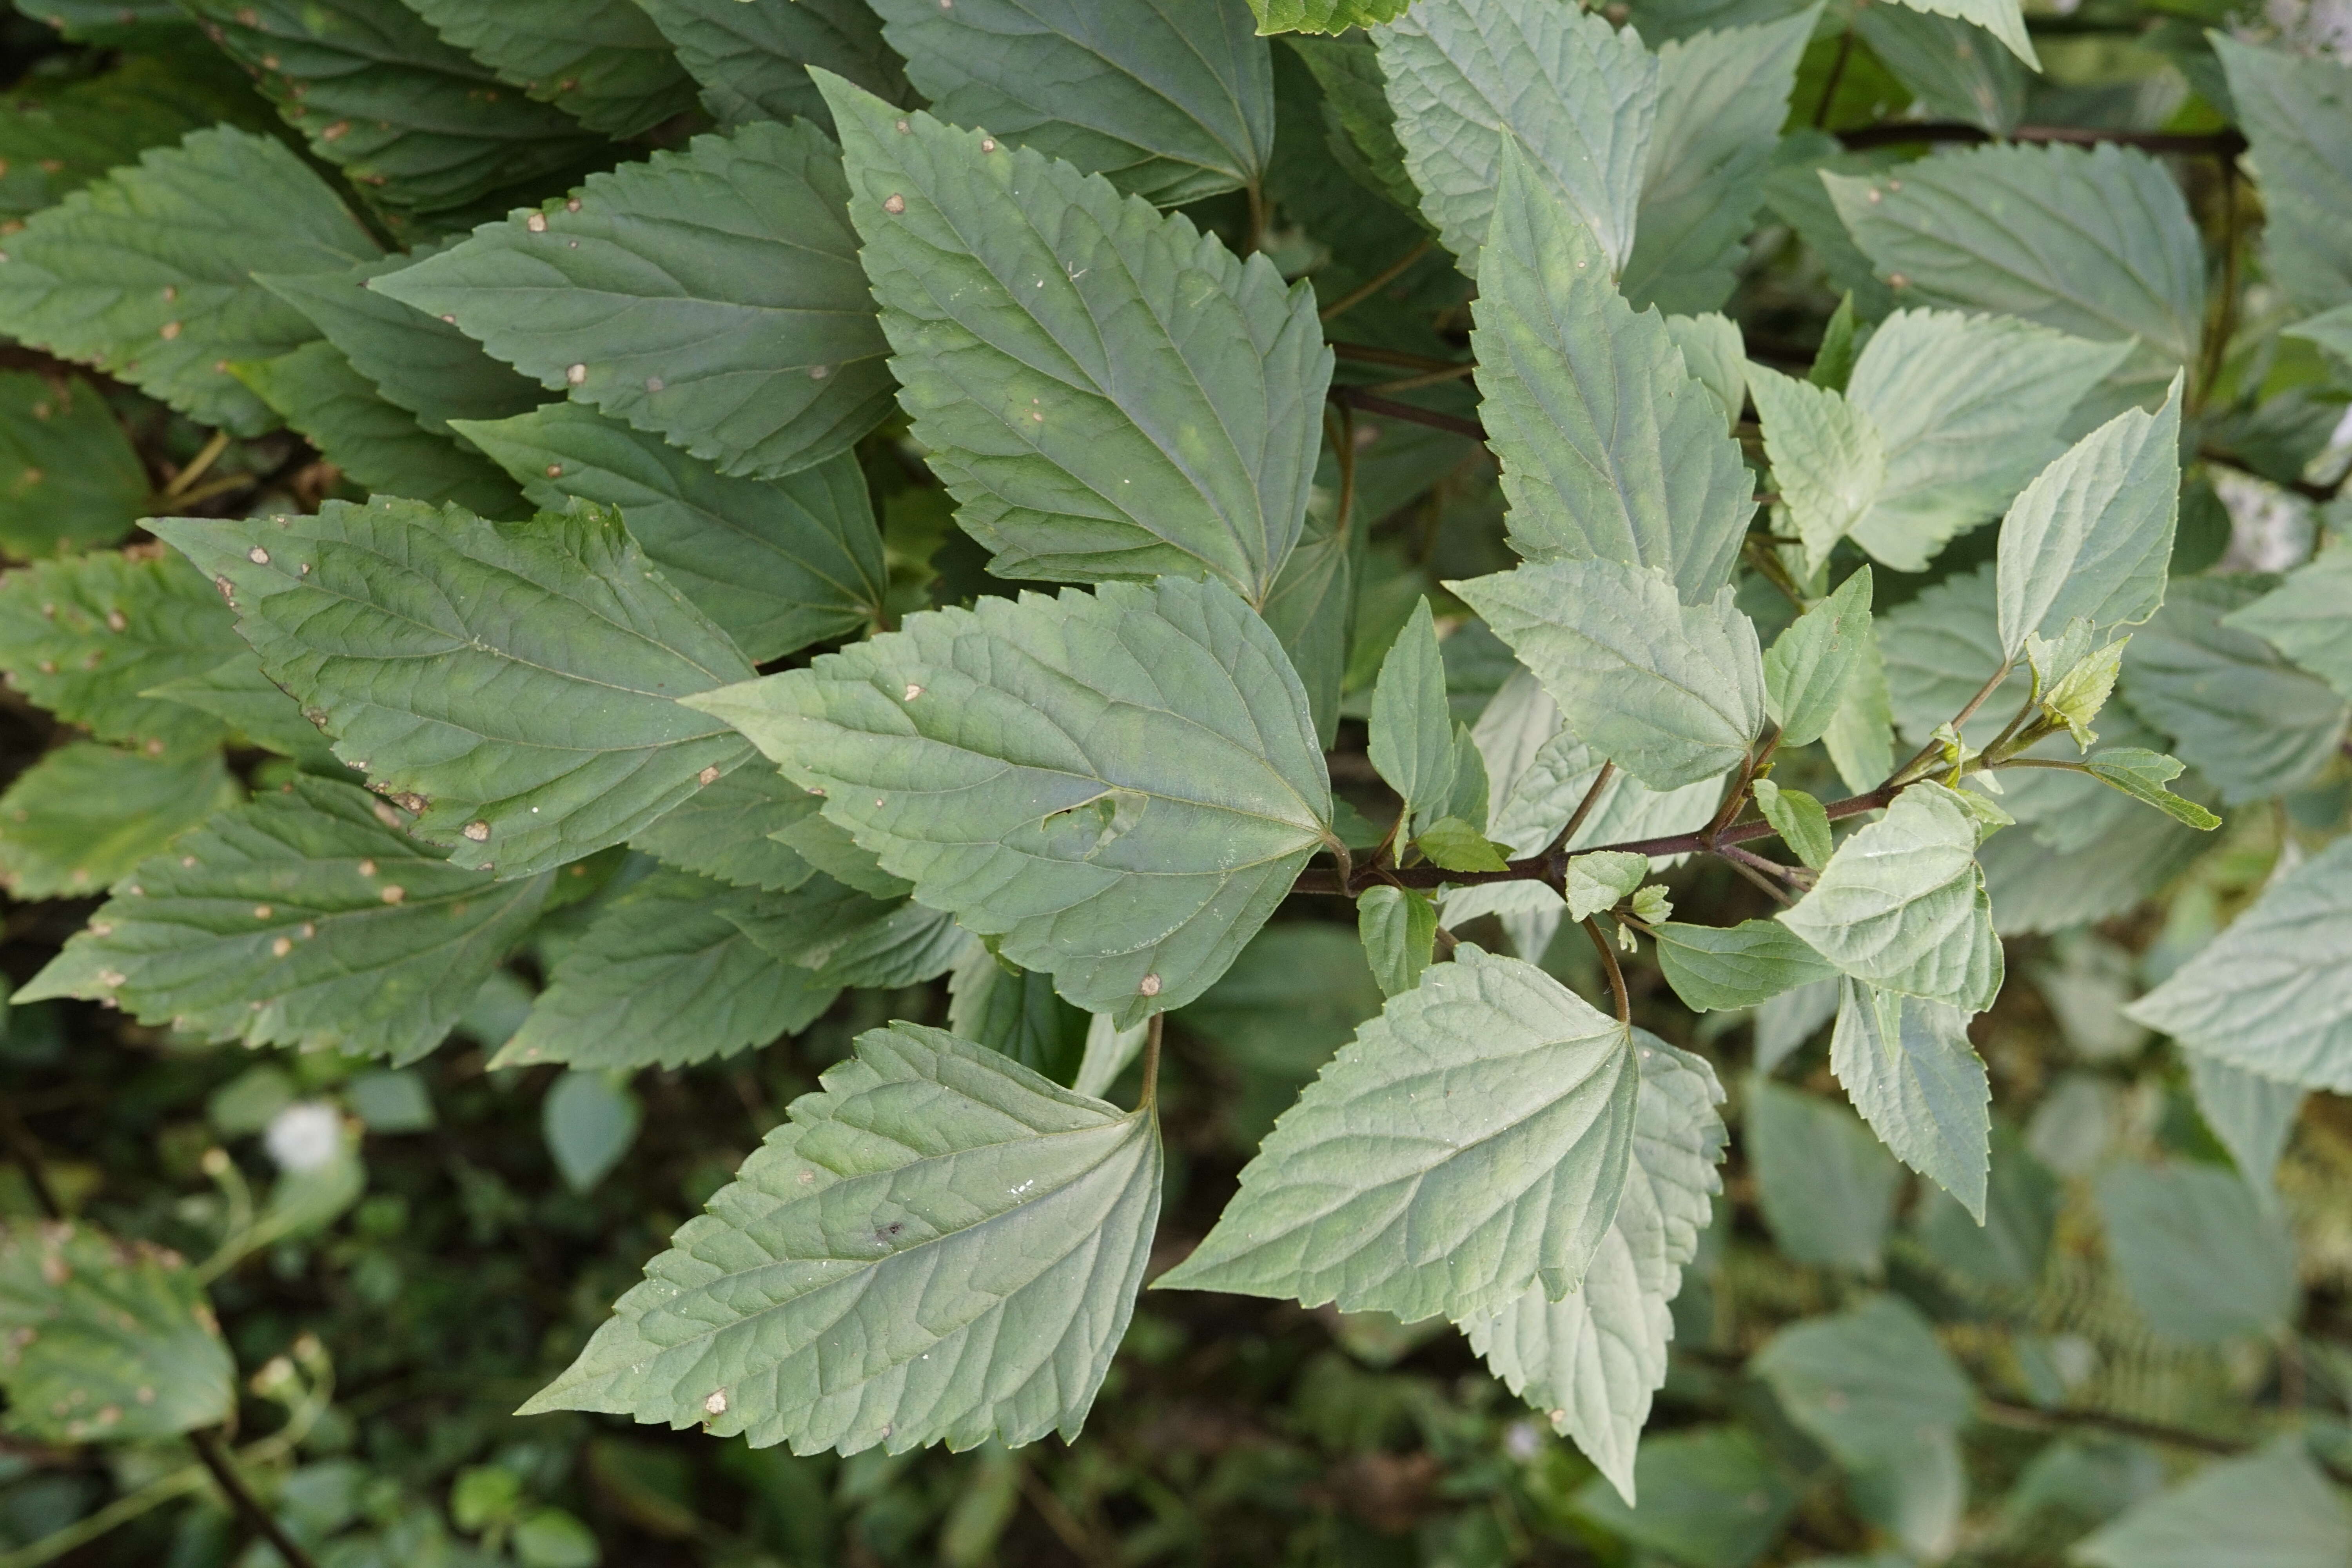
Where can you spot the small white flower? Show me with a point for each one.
(304, 1136)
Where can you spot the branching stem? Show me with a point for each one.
(1616, 974)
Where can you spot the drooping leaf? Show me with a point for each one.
(1015, 1011)
(1826, 1185)
(86, 637)
(1865, 1383)
(1673, 693)
(1802, 821)
(604, 63)
(2296, 111)
(2252, 1115)
(1592, 1359)
(515, 683)
(1902, 905)
(779, 564)
(938, 1246)
(2273, 1508)
(1581, 98)
(2142, 774)
(1808, 667)
(590, 1124)
(728, 830)
(1611, 449)
(711, 295)
(302, 918)
(1719, 967)
(1909, 1070)
(1412, 742)
(1828, 456)
(69, 478)
(2201, 1256)
(1121, 785)
(103, 1342)
(1399, 929)
(84, 815)
(2307, 618)
(1471, 1143)
(147, 274)
(1106, 392)
(752, 60)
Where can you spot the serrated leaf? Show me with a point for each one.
(1673, 693)
(1826, 1185)
(1715, 353)
(726, 830)
(1716, 968)
(1173, 99)
(1471, 1143)
(519, 680)
(1828, 456)
(1592, 1359)
(711, 296)
(1794, 193)
(2274, 1509)
(103, 1342)
(1799, 820)
(1456, 846)
(147, 274)
(1865, 1383)
(1808, 667)
(1611, 449)
(2142, 774)
(2004, 19)
(1360, 121)
(86, 637)
(2296, 111)
(2236, 712)
(850, 938)
(779, 564)
(255, 710)
(2200, 1255)
(1596, 882)
(2092, 535)
(1015, 1011)
(752, 60)
(2252, 1115)
(1902, 904)
(84, 815)
(59, 133)
(1580, 97)
(664, 976)
(975, 1231)
(2307, 618)
(1859, 740)
(2009, 1246)
(829, 848)
(1399, 929)
(1948, 65)
(1412, 732)
(2040, 887)
(74, 481)
(1121, 785)
(299, 918)
(604, 63)
(2273, 994)
(1909, 1070)
(1324, 16)
(1106, 392)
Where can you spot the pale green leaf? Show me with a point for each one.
(2004, 19)
(2273, 1508)
(147, 274)
(517, 684)
(1109, 1050)
(1809, 667)
(1312, 605)
(2142, 774)
(84, 815)
(1598, 881)
(779, 564)
(829, 848)
(1902, 905)
(728, 830)
(1412, 731)
(1799, 820)
(711, 295)
(1121, 785)
(1938, 649)
(303, 918)
(2200, 1255)
(1794, 193)
(1471, 1143)
(255, 711)
(1015, 1011)
(1611, 449)
(70, 478)
(851, 939)
(1360, 123)
(1714, 352)
(103, 1342)
(589, 1123)
(2331, 329)
(603, 62)
(1399, 929)
(2309, 617)
(1909, 1070)
(1717, 1499)
(1828, 456)
(2252, 1115)
(2040, 887)
(1786, 1021)
(938, 1246)
(1952, 67)
(1455, 845)
(1592, 1359)
(86, 638)
(2296, 111)
(1860, 738)
(1324, 16)
(2009, 1247)
(1716, 968)
(1174, 100)
(1827, 1186)
(1468, 75)
(1671, 693)
(752, 60)
(1865, 1381)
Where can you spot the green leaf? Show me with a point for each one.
(2200, 1255)
(1324, 16)
(2273, 1508)
(59, 133)
(2092, 535)
(730, 830)
(515, 683)
(1809, 667)
(1799, 820)
(1716, 1498)
(604, 62)
(2004, 19)
(1866, 1382)
(1596, 882)
(779, 564)
(303, 918)
(1456, 846)
(84, 815)
(2297, 113)
(1593, 1358)
(410, 121)
(1471, 1143)
(851, 938)
(1909, 1070)
(73, 479)
(1109, 1050)
(664, 976)
(1174, 100)
(2009, 1246)
(1827, 1186)
(2237, 712)
(2097, 242)
(2253, 1116)
(103, 1342)
(589, 1122)
(1015, 1011)
(1949, 66)
(2142, 774)
(88, 637)
(1611, 449)
(1828, 456)
(1412, 745)
(1794, 193)
(147, 274)
(973, 1230)
(1399, 930)
(1673, 693)
(2306, 617)
(1716, 968)
(1785, 1022)
(1902, 905)
(2273, 994)
(752, 60)
(256, 711)
(1860, 740)
(1722, 96)
(829, 848)
(1717, 354)
(1578, 95)
(1106, 391)
(1121, 785)
(1360, 121)
(712, 297)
